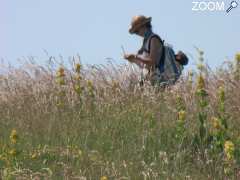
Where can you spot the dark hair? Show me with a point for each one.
(182, 58)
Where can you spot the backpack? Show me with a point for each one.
(170, 65)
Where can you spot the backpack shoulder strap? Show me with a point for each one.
(160, 64)
(154, 36)
(148, 43)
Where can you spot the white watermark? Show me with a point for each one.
(208, 6)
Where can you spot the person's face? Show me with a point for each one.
(140, 31)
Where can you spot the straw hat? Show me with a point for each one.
(137, 22)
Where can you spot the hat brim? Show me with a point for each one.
(133, 29)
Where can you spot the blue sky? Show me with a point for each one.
(96, 29)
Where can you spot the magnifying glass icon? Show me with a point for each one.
(233, 4)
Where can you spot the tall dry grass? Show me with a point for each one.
(98, 123)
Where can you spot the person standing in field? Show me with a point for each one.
(151, 56)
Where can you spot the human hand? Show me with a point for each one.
(130, 57)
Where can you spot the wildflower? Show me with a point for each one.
(78, 67)
(78, 89)
(13, 152)
(221, 97)
(190, 76)
(60, 72)
(238, 57)
(78, 77)
(200, 53)
(201, 66)
(89, 84)
(104, 178)
(200, 82)
(13, 136)
(90, 88)
(181, 115)
(216, 123)
(180, 103)
(201, 92)
(61, 81)
(34, 155)
(221, 94)
(60, 76)
(229, 150)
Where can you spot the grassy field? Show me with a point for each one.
(95, 122)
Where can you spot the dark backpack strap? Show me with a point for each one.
(159, 65)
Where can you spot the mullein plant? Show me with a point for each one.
(181, 118)
(13, 151)
(222, 140)
(13, 154)
(190, 79)
(90, 91)
(77, 85)
(60, 79)
(229, 160)
(78, 78)
(10, 152)
(90, 88)
(220, 122)
(202, 103)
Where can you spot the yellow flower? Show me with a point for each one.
(34, 155)
(89, 84)
(90, 87)
(78, 89)
(13, 136)
(181, 115)
(238, 57)
(200, 82)
(104, 178)
(216, 123)
(60, 72)
(221, 94)
(78, 77)
(229, 149)
(13, 152)
(60, 76)
(78, 67)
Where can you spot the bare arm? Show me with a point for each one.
(155, 54)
